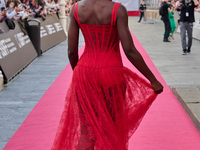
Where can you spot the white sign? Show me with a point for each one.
(43, 32)
(131, 5)
(6, 47)
(50, 29)
(21, 39)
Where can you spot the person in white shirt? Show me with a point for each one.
(2, 4)
(14, 13)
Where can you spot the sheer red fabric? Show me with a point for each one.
(105, 102)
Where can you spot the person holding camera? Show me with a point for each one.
(14, 12)
(165, 7)
(3, 15)
(186, 7)
(2, 4)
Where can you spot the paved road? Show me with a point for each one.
(181, 72)
(23, 93)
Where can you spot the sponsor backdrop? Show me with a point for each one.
(16, 49)
(51, 32)
(132, 6)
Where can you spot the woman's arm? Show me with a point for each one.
(12, 14)
(169, 9)
(196, 3)
(131, 52)
(73, 37)
(179, 4)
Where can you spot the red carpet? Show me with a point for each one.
(134, 13)
(166, 125)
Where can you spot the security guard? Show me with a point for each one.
(142, 10)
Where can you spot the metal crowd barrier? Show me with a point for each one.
(17, 50)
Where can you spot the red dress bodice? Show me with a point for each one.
(101, 43)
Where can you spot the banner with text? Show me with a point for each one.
(51, 32)
(16, 51)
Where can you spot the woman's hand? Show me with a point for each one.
(157, 87)
(131, 52)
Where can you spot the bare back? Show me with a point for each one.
(95, 12)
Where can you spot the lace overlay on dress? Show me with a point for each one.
(105, 102)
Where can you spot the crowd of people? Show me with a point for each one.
(185, 9)
(22, 9)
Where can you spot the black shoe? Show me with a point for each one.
(166, 40)
(188, 50)
(184, 52)
(138, 21)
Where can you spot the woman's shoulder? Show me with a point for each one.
(122, 11)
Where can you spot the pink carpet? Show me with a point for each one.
(166, 125)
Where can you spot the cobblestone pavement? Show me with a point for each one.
(180, 72)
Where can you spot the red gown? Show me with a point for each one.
(105, 102)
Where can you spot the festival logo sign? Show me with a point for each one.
(6, 47)
(21, 39)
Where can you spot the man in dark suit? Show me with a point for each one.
(142, 10)
(165, 19)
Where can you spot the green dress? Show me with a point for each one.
(172, 22)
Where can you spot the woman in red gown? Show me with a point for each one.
(105, 102)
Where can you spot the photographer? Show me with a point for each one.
(14, 12)
(186, 8)
(2, 4)
(37, 9)
(3, 15)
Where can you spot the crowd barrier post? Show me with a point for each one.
(63, 18)
(34, 35)
(1, 81)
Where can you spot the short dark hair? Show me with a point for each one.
(3, 8)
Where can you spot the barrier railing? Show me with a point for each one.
(17, 50)
(51, 32)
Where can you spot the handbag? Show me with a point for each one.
(10, 24)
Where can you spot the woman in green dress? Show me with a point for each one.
(171, 19)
